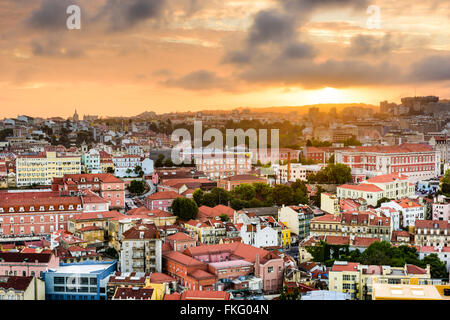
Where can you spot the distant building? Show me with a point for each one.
(21, 288)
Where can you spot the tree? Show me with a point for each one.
(244, 191)
(184, 208)
(238, 204)
(110, 170)
(282, 194)
(137, 170)
(136, 187)
(382, 200)
(262, 190)
(224, 217)
(445, 182)
(352, 142)
(438, 268)
(198, 197)
(168, 163)
(221, 196)
(378, 253)
(159, 161)
(316, 199)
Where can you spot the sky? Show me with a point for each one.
(131, 56)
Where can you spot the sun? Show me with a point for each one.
(326, 95)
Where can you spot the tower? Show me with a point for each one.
(75, 116)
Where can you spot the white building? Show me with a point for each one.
(91, 161)
(259, 236)
(148, 166)
(409, 211)
(124, 163)
(294, 171)
(443, 253)
(392, 186)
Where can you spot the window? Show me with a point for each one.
(270, 269)
(59, 280)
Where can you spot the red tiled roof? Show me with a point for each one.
(384, 178)
(163, 195)
(173, 296)
(337, 240)
(200, 274)
(364, 242)
(205, 295)
(350, 266)
(412, 269)
(361, 187)
(136, 293)
(326, 217)
(182, 258)
(98, 215)
(157, 277)
(179, 236)
(148, 231)
(432, 224)
(21, 257)
(89, 228)
(403, 148)
(15, 282)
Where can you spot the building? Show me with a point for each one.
(105, 185)
(180, 241)
(318, 154)
(26, 264)
(161, 200)
(441, 144)
(91, 161)
(383, 291)
(79, 281)
(134, 293)
(434, 233)
(42, 168)
(120, 280)
(358, 280)
(259, 235)
(266, 156)
(38, 212)
(21, 288)
(124, 165)
(205, 213)
(391, 186)
(196, 295)
(409, 211)
(290, 172)
(353, 224)
(417, 161)
(157, 216)
(230, 183)
(329, 203)
(297, 219)
(441, 211)
(141, 249)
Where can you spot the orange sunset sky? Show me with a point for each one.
(132, 56)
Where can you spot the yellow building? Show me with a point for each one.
(22, 288)
(382, 291)
(41, 169)
(285, 236)
(329, 203)
(359, 280)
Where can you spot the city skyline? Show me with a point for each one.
(177, 56)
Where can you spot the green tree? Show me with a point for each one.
(221, 196)
(255, 203)
(316, 198)
(184, 208)
(438, 268)
(136, 187)
(110, 170)
(168, 163)
(224, 217)
(445, 182)
(238, 204)
(382, 200)
(282, 194)
(244, 192)
(378, 253)
(262, 191)
(198, 197)
(159, 161)
(137, 170)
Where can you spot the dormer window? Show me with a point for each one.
(11, 209)
(96, 179)
(51, 208)
(61, 207)
(83, 180)
(22, 209)
(32, 208)
(1, 210)
(71, 207)
(41, 208)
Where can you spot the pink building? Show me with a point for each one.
(417, 161)
(161, 200)
(181, 241)
(441, 211)
(31, 212)
(27, 264)
(105, 185)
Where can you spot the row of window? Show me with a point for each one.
(42, 208)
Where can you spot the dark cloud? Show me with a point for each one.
(50, 15)
(125, 14)
(332, 73)
(371, 45)
(432, 68)
(307, 6)
(271, 26)
(298, 51)
(198, 80)
(237, 57)
(54, 48)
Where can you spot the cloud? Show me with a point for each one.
(298, 51)
(432, 68)
(50, 15)
(371, 45)
(199, 80)
(271, 26)
(331, 73)
(125, 14)
(53, 47)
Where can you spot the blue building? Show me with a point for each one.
(79, 281)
